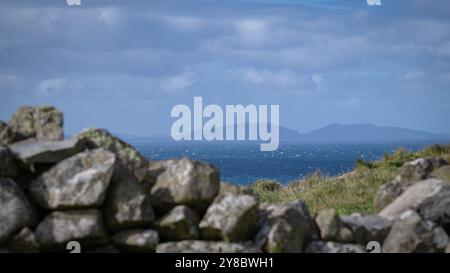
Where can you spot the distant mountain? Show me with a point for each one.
(332, 132)
(367, 131)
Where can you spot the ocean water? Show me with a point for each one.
(243, 162)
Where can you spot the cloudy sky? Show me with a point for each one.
(122, 65)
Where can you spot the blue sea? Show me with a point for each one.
(243, 162)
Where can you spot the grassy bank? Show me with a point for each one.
(352, 192)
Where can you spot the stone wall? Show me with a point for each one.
(100, 192)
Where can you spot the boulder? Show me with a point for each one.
(22, 123)
(181, 223)
(43, 123)
(227, 188)
(230, 218)
(410, 233)
(8, 167)
(329, 224)
(49, 123)
(15, 210)
(367, 228)
(127, 204)
(155, 168)
(430, 198)
(191, 246)
(186, 182)
(136, 240)
(443, 173)
(40, 152)
(284, 228)
(447, 249)
(76, 182)
(333, 247)
(6, 134)
(23, 242)
(409, 174)
(126, 155)
(60, 227)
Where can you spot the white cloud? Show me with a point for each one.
(50, 87)
(252, 32)
(185, 23)
(177, 83)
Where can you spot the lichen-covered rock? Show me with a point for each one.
(22, 123)
(191, 246)
(136, 240)
(15, 210)
(186, 182)
(127, 203)
(8, 167)
(126, 155)
(23, 242)
(43, 123)
(411, 234)
(443, 173)
(430, 198)
(333, 247)
(227, 188)
(230, 218)
(155, 168)
(410, 173)
(49, 123)
(6, 134)
(284, 228)
(367, 228)
(60, 227)
(180, 223)
(32, 151)
(76, 182)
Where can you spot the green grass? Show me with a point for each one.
(352, 192)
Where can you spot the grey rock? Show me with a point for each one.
(4, 250)
(284, 228)
(23, 242)
(345, 235)
(126, 155)
(410, 233)
(333, 247)
(43, 123)
(329, 224)
(8, 166)
(186, 182)
(60, 227)
(49, 123)
(409, 174)
(367, 228)
(155, 168)
(447, 249)
(76, 182)
(227, 188)
(230, 218)
(191, 246)
(6, 135)
(32, 151)
(443, 173)
(22, 123)
(127, 203)
(181, 223)
(430, 198)
(136, 240)
(15, 210)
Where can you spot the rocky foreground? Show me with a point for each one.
(99, 191)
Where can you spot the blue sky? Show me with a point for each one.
(122, 65)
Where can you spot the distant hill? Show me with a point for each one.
(368, 131)
(332, 132)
